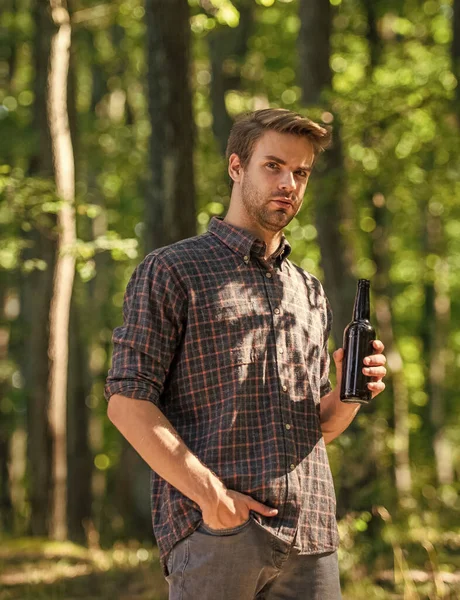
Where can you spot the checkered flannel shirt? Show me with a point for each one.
(233, 350)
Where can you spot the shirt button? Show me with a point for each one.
(292, 467)
(246, 259)
(281, 351)
(277, 311)
(268, 275)
(284, 388)
(287, 426)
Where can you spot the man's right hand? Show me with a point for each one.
(230, 509)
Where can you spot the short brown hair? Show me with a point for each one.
(249, 127)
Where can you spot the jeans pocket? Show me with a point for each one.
(169, 563)
(224, 532)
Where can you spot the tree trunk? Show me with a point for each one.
(10, 420)
(330, 185)
(35, 368)
(443, 449)
(434, 334)
(455, 48)
(90, 315)
(7, 422)
(336, 252)
(11, 6)
(372, 34)
(226, 43)
(79, 457)
(170, 198)
(380, 252)
(401, 436)
(170, 213)
(35, 306)
(65, 263)
(314, 49)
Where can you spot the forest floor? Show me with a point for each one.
(35, 569)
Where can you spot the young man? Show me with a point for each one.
(226, 340)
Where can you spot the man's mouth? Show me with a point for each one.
(283, 201)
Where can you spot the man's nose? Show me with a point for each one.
(287, 182)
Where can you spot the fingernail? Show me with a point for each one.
(274, 511)
(366, 361)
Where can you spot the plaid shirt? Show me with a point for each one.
(233, 350)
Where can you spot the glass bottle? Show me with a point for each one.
(357, 344)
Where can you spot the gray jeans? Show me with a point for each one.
(248, 563)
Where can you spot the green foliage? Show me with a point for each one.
(25, 202)
(399, 132)
(28, 203)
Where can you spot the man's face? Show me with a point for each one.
(273, 182)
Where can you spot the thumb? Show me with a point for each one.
(260, 508)
(338, 357)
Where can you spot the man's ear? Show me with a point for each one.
(234, 167)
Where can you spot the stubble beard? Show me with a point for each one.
(258, 208)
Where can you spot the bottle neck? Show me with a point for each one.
(362, 308)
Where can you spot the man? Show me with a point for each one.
(226, 339)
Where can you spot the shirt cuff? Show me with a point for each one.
(135, 391)
(325, 389)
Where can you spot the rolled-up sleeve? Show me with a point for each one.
(144, 346)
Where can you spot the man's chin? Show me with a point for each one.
(278, 220)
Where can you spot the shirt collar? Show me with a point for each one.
(244, 243)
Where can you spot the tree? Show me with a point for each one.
(455, 47)
(379, 251)
(65, 263)
(170, 195)
(41, 242)
(227, 49)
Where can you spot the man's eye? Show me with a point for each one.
(272, 165)
(301, 173)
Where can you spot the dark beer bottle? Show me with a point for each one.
(357, 344)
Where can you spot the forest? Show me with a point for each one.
(114, 117)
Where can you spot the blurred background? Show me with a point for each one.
(114, 117)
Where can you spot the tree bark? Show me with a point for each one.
(170, 198)
(65, 264)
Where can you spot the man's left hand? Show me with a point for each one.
(375, 368)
